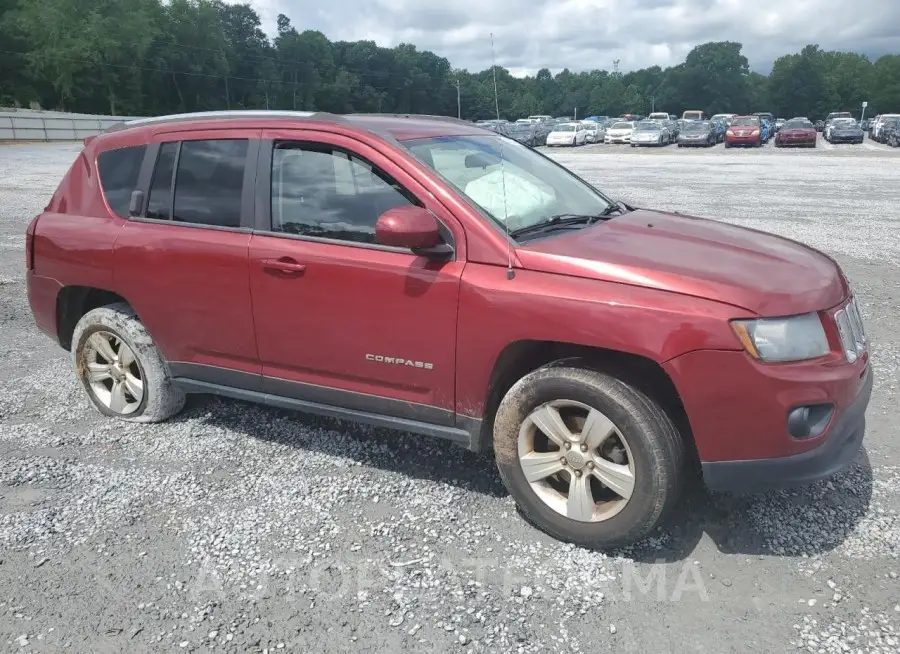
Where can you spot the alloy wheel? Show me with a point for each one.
(576, 461)
(112, 372)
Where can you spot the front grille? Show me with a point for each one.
(851, 329)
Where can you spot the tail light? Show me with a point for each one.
(29, 243)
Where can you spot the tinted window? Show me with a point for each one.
(210, 182)
(321, 191)
(160, 202)
(119, 174)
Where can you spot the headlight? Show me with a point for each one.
(778, 340)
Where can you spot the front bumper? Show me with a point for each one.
(693, 142)
(846, 138)
(839, 448)
(618, 139)
(738, 410)
(743, 140)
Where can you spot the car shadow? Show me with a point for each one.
(806, 521)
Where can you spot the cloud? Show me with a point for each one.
(587, 34)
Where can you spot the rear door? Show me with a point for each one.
(340, 319)
(182, 261)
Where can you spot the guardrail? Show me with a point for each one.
(28, 125)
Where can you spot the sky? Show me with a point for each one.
(589, 34)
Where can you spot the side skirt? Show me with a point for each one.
(468, 437)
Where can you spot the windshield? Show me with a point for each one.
(745, 121)
(647, 127)
(797, 124)
(564, 128)
(621, 125)
(844, 122)
(525, 190)
(696, 127)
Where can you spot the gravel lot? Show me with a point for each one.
(242, 528)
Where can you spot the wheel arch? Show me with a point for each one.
(522, 357)
(72, 302)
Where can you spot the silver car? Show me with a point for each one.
(650, 132)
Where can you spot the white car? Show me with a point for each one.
(879, 125)
(620, 132)
(567, 134)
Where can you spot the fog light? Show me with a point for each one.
(809, 421)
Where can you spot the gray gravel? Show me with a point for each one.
(241, 528)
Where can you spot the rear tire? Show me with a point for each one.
(639, 450)
(120, 368)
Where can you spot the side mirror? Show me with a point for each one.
(414, 228)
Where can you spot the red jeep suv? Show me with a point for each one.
(431, 276)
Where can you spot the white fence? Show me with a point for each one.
(31, 125)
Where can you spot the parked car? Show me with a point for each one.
(878, 129)
(659, 115)
(592, 129)
(620, 132)
(746, 131)
(697, 133)
(769, 118)
(779, 123)
(820, 125)
(844, 130)
(567, 134)
(720, 126)
(596, 119)
(650, 132)
(532, 134)
(693, 114)
(890, 131)
(367, 268)
(797, 132)
(726, 118)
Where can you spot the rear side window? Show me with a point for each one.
(119, 171)
(208, 183)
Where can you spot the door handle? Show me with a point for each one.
(284, 265)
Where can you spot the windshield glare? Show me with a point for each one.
(796, 124)
(745, 121)
(525, 190)
(696, 127)
(648, 127)
(564, 128)
(623, 126)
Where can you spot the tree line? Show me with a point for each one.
(147, 57)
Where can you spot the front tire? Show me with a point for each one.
(588, 458)
(120, 368)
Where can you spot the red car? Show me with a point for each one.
(744, 130)
(431, 276)
(797, 131)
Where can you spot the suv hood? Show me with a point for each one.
(760, 272)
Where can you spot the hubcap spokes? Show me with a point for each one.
(112, 373)
(576, 460)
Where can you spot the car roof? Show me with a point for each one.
(401, 127)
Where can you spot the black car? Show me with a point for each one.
(820, 125)
(844, 130)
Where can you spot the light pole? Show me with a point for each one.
(458, 102)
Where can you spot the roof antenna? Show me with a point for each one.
(510, 273)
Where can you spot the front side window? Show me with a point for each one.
(512, 184)
(119, 170)
(326, 192)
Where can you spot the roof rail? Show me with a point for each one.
(222, 115)
(420, 116)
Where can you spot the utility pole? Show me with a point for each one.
(458, 102)
(576, 113)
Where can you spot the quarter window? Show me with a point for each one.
(119, 170)
(321, 191)
(159, 204)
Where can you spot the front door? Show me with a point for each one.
(341, 320)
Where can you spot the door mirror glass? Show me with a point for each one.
(411, 227)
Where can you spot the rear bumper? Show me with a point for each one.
(839, 448)
(42, 295)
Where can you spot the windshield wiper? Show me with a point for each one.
(566, 221)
